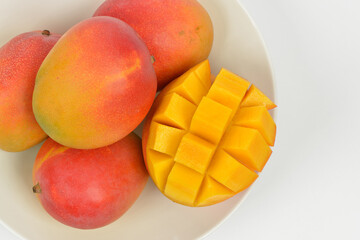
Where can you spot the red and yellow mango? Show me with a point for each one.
(20, 60)
(96, 85)
(89, 188)
(179, 34)
(204, 144)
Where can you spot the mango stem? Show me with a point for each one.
(36, 188)
(45, 32)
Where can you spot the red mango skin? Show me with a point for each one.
(178, 33)
(89, 189)
(20, 60)
(96, 85)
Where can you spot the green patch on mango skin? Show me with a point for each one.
(42, 120)
(182, 33)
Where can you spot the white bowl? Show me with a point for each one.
(238, 47)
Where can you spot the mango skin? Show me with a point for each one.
(89, 189)
(178, 33)
(95, 86)
(20, 60)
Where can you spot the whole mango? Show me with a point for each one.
(95, 86)
(178, 33)
(89, 188)
(20, 60)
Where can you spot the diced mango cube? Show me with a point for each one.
(210, 120)
(203, 72)
(231, 75)
(231, 173)
(175, 111)
(194, 152)
(183, 184)
(254, 97)
(247, 146)
(189, 87)
(228, 92)
(212, 192)
(164, 139)
(159, 167)
(258, 118)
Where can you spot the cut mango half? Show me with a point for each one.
(205, 142)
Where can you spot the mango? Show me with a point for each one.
(20, 60)
(213, 139)
(89, 189)
(254, 97)
(95, 86)
(179, 34)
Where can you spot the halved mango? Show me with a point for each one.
(203, 144)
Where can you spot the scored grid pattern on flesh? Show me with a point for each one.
(217, 143)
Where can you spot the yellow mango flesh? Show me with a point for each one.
(163, 135)
(183, 184)
(175, 111)
(248, 146)
(214, 129)
(254, 97)
(159, 168)
(228, 89)
(194, 152)
(203, 143)
(231, 173)
(258, 118)
(212, 192)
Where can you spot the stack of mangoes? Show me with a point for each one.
(87, 90)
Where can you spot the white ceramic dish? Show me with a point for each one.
(237, 47)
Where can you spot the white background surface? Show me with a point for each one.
(310, 189)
